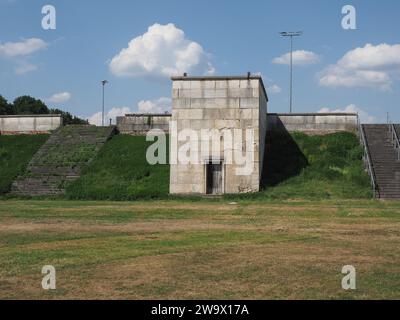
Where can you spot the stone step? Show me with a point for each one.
(384, 160)
(48, 178)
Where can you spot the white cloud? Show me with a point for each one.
(300, 57)
(95, 119)
(61, 97)
(18, 52)
(25, 67)
(370, 66)
(352, 108)
(22, 48)
(160, 105)
(162, 51)
(274, 89)
(372, 57)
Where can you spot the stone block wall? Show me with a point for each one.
(140, 124)
(29, 124)
(313, 123)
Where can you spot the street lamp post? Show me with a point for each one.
(104, 82)
(291, 35)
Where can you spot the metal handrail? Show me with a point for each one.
(395, 139)
(367, 162)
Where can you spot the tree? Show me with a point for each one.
(29, 105)
(67, 117)
(5, 107)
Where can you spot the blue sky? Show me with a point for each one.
(64, 67)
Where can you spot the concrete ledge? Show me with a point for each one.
(29, 124)
(140, 124)
(313, 123)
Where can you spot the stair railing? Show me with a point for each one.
(368, 162)
(394, 139)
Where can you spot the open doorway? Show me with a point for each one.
(214, 178)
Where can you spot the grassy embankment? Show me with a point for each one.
(296, 166)
(315, 167)
(120, 172)
(15, 154)
(300, 166)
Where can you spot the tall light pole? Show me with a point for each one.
(291, 35)
(104, 82)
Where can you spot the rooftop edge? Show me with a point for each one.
(243, 77)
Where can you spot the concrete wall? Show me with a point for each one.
(222, 104)
(140, 124)
(263, 127)
(29, 124)
(313, 123)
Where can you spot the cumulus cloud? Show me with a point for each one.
(22, 48)
(24, 67)
(162, 51)
(19, 52)
(161, 105)
(369, 66)
(352, 108)
(61, 97)
(274, 89)
(300, 57)
(95, 119)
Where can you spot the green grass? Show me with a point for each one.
(296, 167)
(77, 151)
(316, 167)
(120, 172)
(213, 250)
(15, 153)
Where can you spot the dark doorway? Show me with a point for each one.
(214, 178)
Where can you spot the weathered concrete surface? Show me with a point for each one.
(221, 104)
(317, 123)
(140, 124)
(29, 124)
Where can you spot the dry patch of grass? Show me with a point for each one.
(202, 250)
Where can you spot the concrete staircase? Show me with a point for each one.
(384, 160)
(61, 159)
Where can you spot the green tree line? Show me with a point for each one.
(29, 105)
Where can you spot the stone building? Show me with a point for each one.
(234, 110)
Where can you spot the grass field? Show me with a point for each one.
(202, 250)
(15, 153)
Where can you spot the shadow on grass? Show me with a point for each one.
(283, 158)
